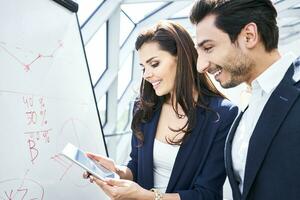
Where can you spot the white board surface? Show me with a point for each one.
(46, 101)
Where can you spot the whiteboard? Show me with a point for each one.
(46, 101)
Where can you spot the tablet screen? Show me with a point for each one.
(75, 154)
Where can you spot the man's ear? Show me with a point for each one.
(250, 35)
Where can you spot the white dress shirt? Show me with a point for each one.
(262, 88)
(164, 156)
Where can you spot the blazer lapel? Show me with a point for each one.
(267, 126)
(149, 131)
(185, 150)
(228, 158)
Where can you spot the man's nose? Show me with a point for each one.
(202, 64)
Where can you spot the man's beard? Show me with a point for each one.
(239, 69)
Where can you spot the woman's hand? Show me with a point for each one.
(119, 189)
(123, 171)
(104, 161)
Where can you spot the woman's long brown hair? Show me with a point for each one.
(174, 39)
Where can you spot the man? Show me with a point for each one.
(237, 42)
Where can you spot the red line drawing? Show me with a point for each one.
(21, 189)
(36, 135)
(34, 152)
(62, 162)
(45, 134)
(9, 197)
(74, 126)
(25, 192)
(28, 101)
(28, 66)
(69, 131)
(42, 102)
(33, 113)
(43, 114)
(11, 92)
(32, 117)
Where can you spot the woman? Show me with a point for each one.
(180, 124)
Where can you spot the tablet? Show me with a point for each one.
(79, 157)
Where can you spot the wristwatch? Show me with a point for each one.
(157, 194)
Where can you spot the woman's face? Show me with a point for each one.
(159, 67)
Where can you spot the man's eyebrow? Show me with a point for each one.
(149, 60)
(202, 43)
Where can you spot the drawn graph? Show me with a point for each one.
(29, 57)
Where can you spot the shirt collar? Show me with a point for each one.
(271, 77)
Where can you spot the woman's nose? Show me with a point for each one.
(147, 74)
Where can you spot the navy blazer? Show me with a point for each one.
(273, 161)
(198, 171)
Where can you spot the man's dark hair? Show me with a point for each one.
(233, 15)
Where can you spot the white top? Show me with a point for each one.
(262, 88)
(164, 156)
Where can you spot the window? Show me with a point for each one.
(183, 13)
(102, 104)
(126, 26)
(96, 53)
(138, 11)
(123, 121)
(86, 9)
(125, 75)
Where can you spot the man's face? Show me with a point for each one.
(217, 55)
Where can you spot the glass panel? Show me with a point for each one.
(297, 6)
(102, 109)
(144, 8)
(277, 1)
(86, 8)
(96, 53)
(124, 75)
(287, 21)
(126, 27)
(123, 121)
(183, 13)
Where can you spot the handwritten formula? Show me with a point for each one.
(37, 127)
